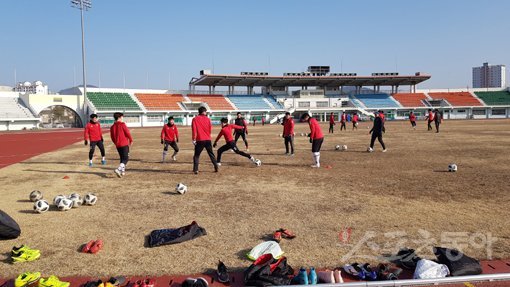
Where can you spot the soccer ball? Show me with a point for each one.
(58, 198)
(35, 195)
(76, 199)
(65, 204)
(337, 147)
(369, 149)
(452, 167)
(181, 188)
(258, 162)
(344, 147)
(303, 134)
(90, 199)
(41, 206)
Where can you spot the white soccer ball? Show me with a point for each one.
(303, 134)
(41, 206)
(258, 162)
(344, 147)
(452, 167)
(337, 147)
(35, 195)
(58, 198)
(181, 188)
(90, 199)
(65, 204)
(369, 149)
(76, 199)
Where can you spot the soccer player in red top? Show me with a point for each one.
(170, 137)
(430, 119)
(316, 138)
(94, 134)
(343, 120)
(226, 131)
(331, 123)
(412, 119)
(201, 129)
(243, 132)
(355, 119)
(288, 133)
(122, 139)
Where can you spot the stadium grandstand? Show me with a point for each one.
(258, 94)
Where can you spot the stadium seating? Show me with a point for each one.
(249, 102)
(12, 107)
(494, 98)
(275, 103)
(113, 101)
(462, 99)
(410, 99)
(376, 101)
(215, 102)
(161, 101)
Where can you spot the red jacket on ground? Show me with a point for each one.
(201, 128)
(343, 118)
(93, 132)
(226, 131)
(412, 117)
(331, 119)
(288, 127)
(355, 118)
(120, 134)
(169, 133)
(315, 129)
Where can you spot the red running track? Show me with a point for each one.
(19, 146)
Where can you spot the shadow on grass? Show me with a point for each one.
(440, 170)
(24, 200)
(242, 254)
(171, 193)
(100, 174)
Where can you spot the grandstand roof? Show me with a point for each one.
(300, 81)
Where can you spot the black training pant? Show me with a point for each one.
(413, 124)
(173, 144)
(429, 126)
(243, 135)
(331, 127)
(289, 140)
(354, 125)
(124, 154)
(377, 136)
(343, 126)
(437, 126)
(93, 145)
(199, 147)
(317, 144)
(231, 145)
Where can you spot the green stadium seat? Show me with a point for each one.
(498, 98)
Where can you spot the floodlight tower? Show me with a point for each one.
(83, 5)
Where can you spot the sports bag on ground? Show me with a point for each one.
(267, 271)
(458, 263)
(9, 229)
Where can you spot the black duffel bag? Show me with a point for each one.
(458, 263)
(9, 229)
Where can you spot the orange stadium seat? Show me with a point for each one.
(161, 101)
(215, 102)
(410, 99)
(462, 99)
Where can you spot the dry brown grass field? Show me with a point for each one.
(405, 190)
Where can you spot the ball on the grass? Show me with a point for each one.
(76, 199)
(258, 162)
(338, 147)
(41, 206)
(303, 134)
(65, 204)
(344, 147)
(369, 149)
(58, 198)
(90, 199)
(35, 195)
(452, 167)
(181, 188)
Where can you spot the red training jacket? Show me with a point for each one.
(288, 127)
(226, 131)
(201, 128)
(355, 118)
(120, 134)
(169, 133)
(315, 129)
(344, 118)
(93, 132)
(331, 119)
(412, 117)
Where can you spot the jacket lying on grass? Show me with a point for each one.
(172, 236)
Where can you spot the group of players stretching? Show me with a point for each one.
(201, 127)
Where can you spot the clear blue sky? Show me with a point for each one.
(176, 39)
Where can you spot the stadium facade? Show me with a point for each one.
(258, 95)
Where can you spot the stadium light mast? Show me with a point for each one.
(83, 5)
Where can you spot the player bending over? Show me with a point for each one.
(316, 138)
(226, 131)
(122, 139)
(377, 132)
(94, 134)
(201, 129)
(243, 131)
(170, 137)
(288, 133)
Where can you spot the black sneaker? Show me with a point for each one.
(222, 273)
(201, 282)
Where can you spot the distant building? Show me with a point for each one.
(489, 76)
(36, 87)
